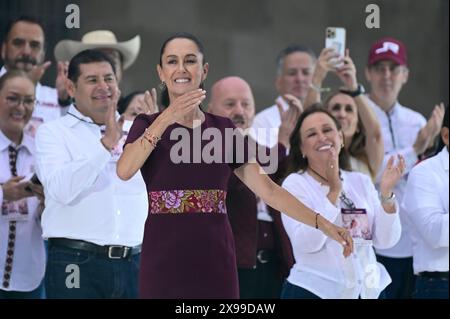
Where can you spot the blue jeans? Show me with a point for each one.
(34, 294)
(402, 275)
(291, 291)
(263, 282)
(431, 288)
(74, 274)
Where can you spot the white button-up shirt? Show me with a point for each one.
(266, 124)
(320, 265)
(46, 108)
(399, 127)
(84, 197)
(264, 130)
(426, 201)
(29, 254)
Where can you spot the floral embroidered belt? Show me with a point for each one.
(187, 201)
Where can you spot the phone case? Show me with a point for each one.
(335, 38)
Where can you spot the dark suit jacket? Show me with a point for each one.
(242, 213)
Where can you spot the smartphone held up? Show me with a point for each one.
(335, 38)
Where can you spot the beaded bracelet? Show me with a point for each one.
(152, 139)
(317, 223)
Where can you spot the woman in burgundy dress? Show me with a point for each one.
(186, 158)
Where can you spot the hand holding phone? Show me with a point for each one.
(335, 38)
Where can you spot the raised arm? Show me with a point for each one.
(323, 66)
(135, 154)
(374, 141)
(281, 200)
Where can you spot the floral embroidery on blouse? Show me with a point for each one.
(187, 201)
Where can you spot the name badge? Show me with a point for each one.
(15, 211)
(357, 223)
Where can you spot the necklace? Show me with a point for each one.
(83, 120)
(326, 180)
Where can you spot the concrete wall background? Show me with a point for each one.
(243, 37)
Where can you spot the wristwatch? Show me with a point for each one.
(387, 200)
(360, 90)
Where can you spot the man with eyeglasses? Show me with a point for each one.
(404, 132)
(23, 48)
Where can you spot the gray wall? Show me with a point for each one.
(243, 37)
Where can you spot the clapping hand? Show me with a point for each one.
(61, 79)
(149, 105)
(184, 105)
(430, 130)
(288, 118)
(113, 128)
(38, 71)
(392, 175)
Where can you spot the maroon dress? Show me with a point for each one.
(188, 247)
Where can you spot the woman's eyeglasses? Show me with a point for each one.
(15, 101)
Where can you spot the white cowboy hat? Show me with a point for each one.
(66, 49)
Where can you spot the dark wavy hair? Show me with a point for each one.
(165, 99)
(295, 161)
(124, 102)
(357, 147)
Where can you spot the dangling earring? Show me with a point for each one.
(162, 86)
(303, 156)
(342, 145)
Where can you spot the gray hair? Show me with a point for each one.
(292, 49)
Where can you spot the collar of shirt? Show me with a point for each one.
(392, 112)
(74, 117)
(27, 143)
(444, 158)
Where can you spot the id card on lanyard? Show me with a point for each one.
(355, 220)
(15, 210)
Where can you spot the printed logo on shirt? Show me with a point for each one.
(47, 104)
(33, 126)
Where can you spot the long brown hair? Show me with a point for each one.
(296, 162)
(357, 146)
